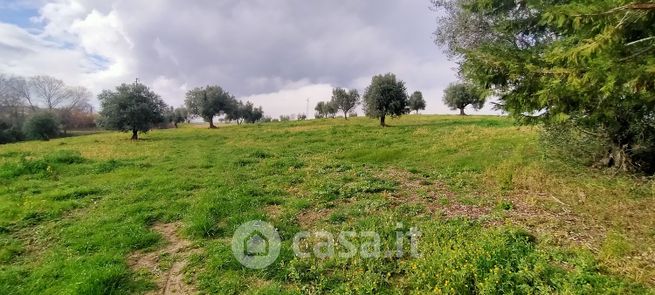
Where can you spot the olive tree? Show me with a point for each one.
(320, 110)
(131, 107)
(416, 101)
(386, 96)
(181, 116)
(457, 96)
(345, 100)
(209, 102)
(244, 112)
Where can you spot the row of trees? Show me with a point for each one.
(584, 69)
(22, 98)
(342, 100)
(384, 97)
(211, 101)
(135, 108)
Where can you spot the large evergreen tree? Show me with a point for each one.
(585, 64)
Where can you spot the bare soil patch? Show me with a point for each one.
(166, 264)
(434, 196)
(308, 218)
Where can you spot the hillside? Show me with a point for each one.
(103, 214)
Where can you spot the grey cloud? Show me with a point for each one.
(232, 42)
(252, 48)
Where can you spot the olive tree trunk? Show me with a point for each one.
(211, 123)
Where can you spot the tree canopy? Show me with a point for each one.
(209, 102)
(42, 125)
(386, 96)
(457, 96)
(326, 109)
(345, 100)
(131, 107)
(245, 112)
(416, 101)
(586, 64)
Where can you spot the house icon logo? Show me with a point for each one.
(256, 244)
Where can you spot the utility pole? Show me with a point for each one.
(307, 108)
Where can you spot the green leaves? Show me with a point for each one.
(586, 61)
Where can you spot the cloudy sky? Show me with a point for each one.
(277, 53)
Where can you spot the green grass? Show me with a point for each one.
(73, 210)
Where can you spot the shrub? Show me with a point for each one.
(9, 133)
(42, 126)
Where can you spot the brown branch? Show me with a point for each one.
(641, 6)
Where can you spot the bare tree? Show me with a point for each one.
(78, 98)
(21, 88)
(12, 107)
(52, 91)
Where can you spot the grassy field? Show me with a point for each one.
(79, 215)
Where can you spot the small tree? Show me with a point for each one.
(331, 109)
(181, 116)
(244, 112)
(41, 125)
(345, 100)
(416, 101)
(236, 112)
(252, 113)
(320, 110)
(132, 107)
(208, 102)
(386, 96)
(460, 95)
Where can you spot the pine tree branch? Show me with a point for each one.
(632, 6)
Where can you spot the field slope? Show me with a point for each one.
(101, 214)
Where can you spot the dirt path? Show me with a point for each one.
(166, 264)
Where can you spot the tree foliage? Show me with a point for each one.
(181, 115)
(458, 96)
(345, 100)
(587, 64)
(209, 102)
(386, 96)
(325, 109)
(131, 107)
(41, 125)
(416, 101)
(244, 112)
